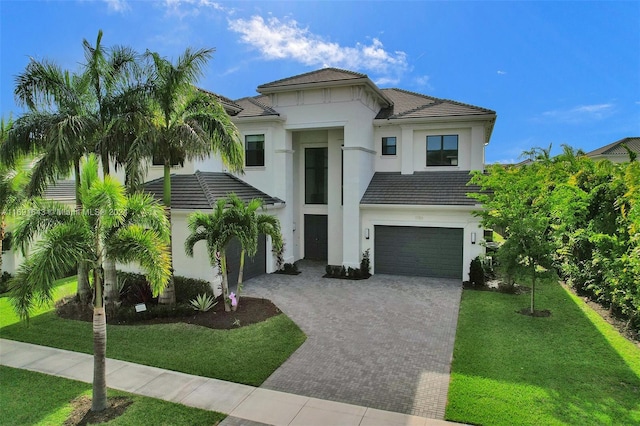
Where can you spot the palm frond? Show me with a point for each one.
(39, 216)
(59, 250)
(134, 243)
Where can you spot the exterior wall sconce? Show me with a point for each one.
(473, 238)
(366, 233)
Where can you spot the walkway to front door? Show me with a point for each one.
(384, 343)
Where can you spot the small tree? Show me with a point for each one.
(515, 199)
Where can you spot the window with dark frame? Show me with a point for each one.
(254, 150)
(442, 150)
(316, 175)
(389, 145)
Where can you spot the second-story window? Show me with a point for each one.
(389, 146)
(442, 150)
(254, 150)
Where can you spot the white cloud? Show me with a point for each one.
(424, 82)
(184, 8)
(286, 39)
(580, 113)
(500, 72)
(117, 5)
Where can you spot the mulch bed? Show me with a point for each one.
(82, 414)
(250, 311)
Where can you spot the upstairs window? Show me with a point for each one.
(442, 150)
(254, 150)
(389, 146)
(316, 174)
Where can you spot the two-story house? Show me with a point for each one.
(348, 167)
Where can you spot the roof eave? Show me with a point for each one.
(460, 207)
(446, 118)
(259, 118)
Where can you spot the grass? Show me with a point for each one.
(572, 368)
(30, 398)
(245, 355)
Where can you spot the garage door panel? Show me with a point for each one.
(253, 266)
(419, 251)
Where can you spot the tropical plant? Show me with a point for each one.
(203, 302)
(514, 199)
(231, 218)
(187, 124)
(111, 225)
(12, 184)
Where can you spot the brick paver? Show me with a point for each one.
(384, 343)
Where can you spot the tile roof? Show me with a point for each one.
(200, 191)
(408, 104)
(258, 106)
(324, 75)
(62, 190)
(230, 106)
(420, 188)
(615, 148)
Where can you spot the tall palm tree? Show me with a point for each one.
(188, 124)
(113, 226)
(55, 129)
(231, 218)
(118, 87)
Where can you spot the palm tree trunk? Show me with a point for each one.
(239, 287)
(111, 293)
(2, 235)
(225, 282)
(168, 295)
(99, 400)
(84, 289)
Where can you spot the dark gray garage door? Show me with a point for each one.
(253, 266)
(424, 252)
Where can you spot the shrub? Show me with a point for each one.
(476, 273)
(4, 282)
(188, 289)
(365, 264)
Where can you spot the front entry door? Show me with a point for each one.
(315, 237)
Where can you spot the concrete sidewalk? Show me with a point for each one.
(246, 405)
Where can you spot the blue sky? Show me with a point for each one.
(555, 72)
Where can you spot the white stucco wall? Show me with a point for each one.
(423, 216)
(411, 149)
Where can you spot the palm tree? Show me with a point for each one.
(244, 221)
(112, 226)
(231, 218)
(188, 124)
(55, 130)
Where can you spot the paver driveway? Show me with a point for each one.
(384, 343)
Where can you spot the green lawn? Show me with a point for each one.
(571, 368)
(245, 355)
(29, 398)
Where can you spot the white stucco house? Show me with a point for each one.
(348, 167)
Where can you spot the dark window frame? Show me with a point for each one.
(317, 172)
(441, 156)
(254, 157)
(386, 147)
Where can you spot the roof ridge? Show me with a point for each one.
(256, 102)
(355, 73)
(205, 188)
